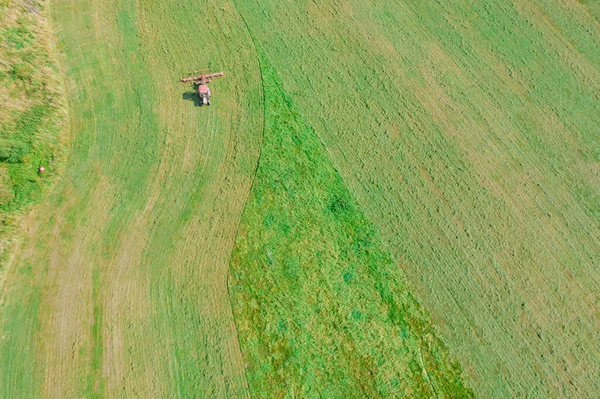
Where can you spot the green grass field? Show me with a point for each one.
(469, 134)
(385, 199)
(121, 285)
(32, 116)
(321, 308)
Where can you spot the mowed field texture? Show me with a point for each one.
(321, 308)
(119, 290)
(469, 134)
(385, 199)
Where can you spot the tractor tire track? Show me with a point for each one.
(254, 176)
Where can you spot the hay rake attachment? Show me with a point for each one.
(201, 81)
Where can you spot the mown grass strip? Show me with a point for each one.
(320, 306)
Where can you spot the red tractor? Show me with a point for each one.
(201, 82)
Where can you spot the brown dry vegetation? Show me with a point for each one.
(33, 115)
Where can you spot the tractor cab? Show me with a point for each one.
(204, 94)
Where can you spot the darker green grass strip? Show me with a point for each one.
(321, 308)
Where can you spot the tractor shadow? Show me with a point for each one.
(192, 96)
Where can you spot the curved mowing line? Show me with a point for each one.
(254, 174)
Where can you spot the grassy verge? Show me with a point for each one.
(321, 309)
(32, 115)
